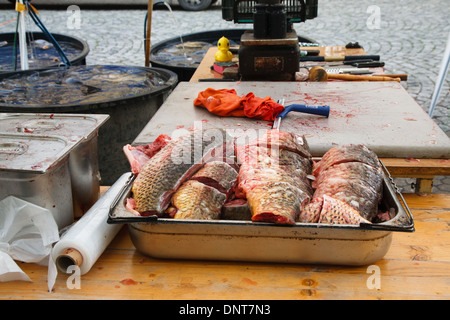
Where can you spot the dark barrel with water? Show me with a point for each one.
(129, 95)
(41, 52)
(169, 54)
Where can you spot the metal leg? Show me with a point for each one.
(441, 77)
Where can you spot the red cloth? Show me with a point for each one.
(226, 103)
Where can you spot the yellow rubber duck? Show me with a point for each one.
(223, 55)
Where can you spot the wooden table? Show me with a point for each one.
(204, 71)
(415, 267)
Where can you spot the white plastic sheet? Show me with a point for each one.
(27, 233)
(92, 234)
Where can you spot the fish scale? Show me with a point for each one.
(273, 176)
(277, 202)
(164, 173)
(203, 196)
(218, 174)
(346, 153)
(347, 178)
(355, 183)
(329, 210)
(281, 140)
(195, 200)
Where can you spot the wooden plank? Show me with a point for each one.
(204, 71)
(140, 277)
(146, 278)
(424, 185)
(417, 168)
(148, 32)
(436, 203)
(424, 170)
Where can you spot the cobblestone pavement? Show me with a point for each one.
(410, 36)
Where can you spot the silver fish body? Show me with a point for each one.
(174, 164)
(195, 200)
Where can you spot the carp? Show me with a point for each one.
(219, 175)
(138, 156)
(195, 200)
(347, 178)
(326, 209)
(346, 153)
(282, 140)
(175, 163)
(276, 202)
(273, 176)
(204, 194)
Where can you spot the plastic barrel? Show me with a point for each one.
(79, 49)
(128, 117)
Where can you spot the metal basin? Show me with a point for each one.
(118, 91)
(81, 130)
(75, 49)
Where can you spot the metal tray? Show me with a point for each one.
(234, 240)
(80, 130)
(35, 168)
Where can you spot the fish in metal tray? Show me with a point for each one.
(273, 176)
(204, 194)
(272, 183)
(326, 209)
(249, 177)
(261, 165)
(282, 140)
(348, 179)
(217, 174)
(357, 184)
(346, 153)
(195, 200)
(174, 164)
(277, 202)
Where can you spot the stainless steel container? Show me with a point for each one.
(81, 131)
(265, 242)
(36, 169)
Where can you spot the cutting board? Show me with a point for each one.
(380, 115)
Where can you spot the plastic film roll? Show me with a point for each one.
(88, 238)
